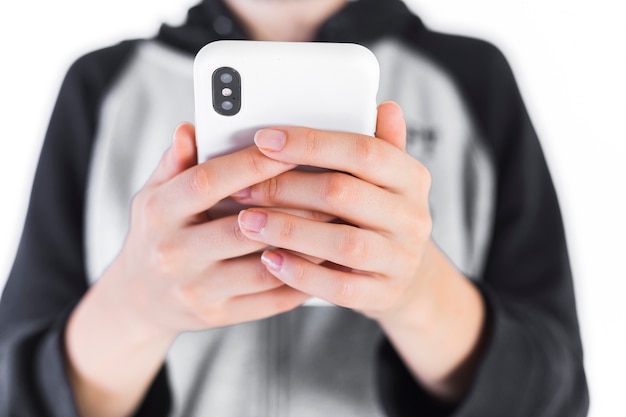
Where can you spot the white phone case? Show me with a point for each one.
(330, 86)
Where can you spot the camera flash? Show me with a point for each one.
(227, 92)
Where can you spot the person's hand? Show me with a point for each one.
(182, 271)
(379, 256)
(178, 271)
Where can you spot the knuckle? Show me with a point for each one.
(272, 190)
(288, 229)
(413, 230)
(265, 280)
(208, 312)
(300, 274)
(200, 181)
(367, 151)
(237, 235)
(211, 314)
(311, 144)
(425, 175)
(188, 295)
(336, 192)
(353, 246)
(346, 292)
(421, 175)
(416, 218)
(145, 205)
(253, 164)
(262, 279)
(318, 216)
(282, 304)
(418, 226)
(286, 301)
(424, 225)
(164, 258)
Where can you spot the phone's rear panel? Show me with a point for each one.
(319, 85)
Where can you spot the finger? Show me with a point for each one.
(390, 124)
(240, 308)
(199, 188)
(346, 289)
(213, 241)
(231, 278)
(230, 206)
(262, 194)
(318, 216)
(339, 243)
(265, 304)
(337, 194)
(181, 155)
(366, 157)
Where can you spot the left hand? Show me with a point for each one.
(378, 191)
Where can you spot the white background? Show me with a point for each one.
(569, 58)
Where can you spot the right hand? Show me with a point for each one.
(182, 271)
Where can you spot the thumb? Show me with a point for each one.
(181, 155)
(390, 124)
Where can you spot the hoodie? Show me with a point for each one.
(494, 209)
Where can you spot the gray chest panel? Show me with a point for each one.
(313, 361)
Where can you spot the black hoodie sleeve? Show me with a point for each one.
(533, 361)
(48, 277)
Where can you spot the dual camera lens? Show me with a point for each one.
(226, 91)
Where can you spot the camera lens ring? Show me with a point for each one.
(226, 78)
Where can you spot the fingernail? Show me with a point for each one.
(252, 221)
(272, 260)
(271, 140)
(245, 193)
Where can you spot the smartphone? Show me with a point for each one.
(243, 86)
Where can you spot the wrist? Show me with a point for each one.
(128, 306)
(419, 309)
(438, 335)
(112, 352)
